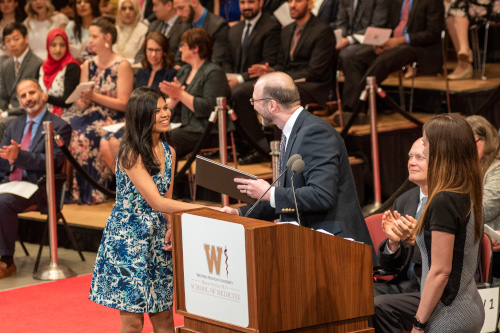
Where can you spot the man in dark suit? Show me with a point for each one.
(416, 37)
(307, 54)
(168, 24)
(326, 10)
(325, 191)
(397, 300)
(193, 13)
(23, 64)
(22, 157)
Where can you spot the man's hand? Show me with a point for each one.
(496, 246)
(389, 44)
(388, 221)
(403, 228)
(232, 81)
(229, 210)
(342, 44)
(254, 188)
(11, 152)
(258, 70)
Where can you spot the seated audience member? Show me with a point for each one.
(327, 11)
(193, 94)
(22, 157)
(271, 5)
(65, 7)
(59, 74)
(78, 29)
(108, 8)
(131, 32)
(157, 62)
(416, 37)
(22, 64)
(460, 15)
(42, 18)
(193, 13)
(168, 24)
(101, 105)
(8, 14)
(396, 301)
(307, 54)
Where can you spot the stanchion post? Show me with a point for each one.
(275, 158)
(221, 117)
(53, 271)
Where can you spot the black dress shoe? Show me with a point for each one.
(253, 158)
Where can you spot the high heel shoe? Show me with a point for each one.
(466, 73)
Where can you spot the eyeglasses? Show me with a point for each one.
(154, 50)
(252, 101)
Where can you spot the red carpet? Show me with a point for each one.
(60, 306)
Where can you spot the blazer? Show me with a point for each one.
(261, 47)
(29, 70)
(315, 57)
(371, 13)
(424, 27)
(33, 160)
(218, 28)
(209, 83)
(405, 204)
(328, 12)
(325, 191)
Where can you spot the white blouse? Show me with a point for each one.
(38, 31)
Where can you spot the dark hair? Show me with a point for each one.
(137, 140)
(32, 80)
(486, 132)
(11, 27)
(201, 38)
(106, 26)
(160, 39)
(19, 13)
(77, 29)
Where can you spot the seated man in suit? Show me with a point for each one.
(416, 37)
(326, 10)
(325, 192)
(168, 24)
(397, 300)
(23, 64)
(22, 157)
(307, 54)
(193, 13)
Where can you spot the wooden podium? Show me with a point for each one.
(299, 280)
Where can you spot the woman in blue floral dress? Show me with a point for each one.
(133, 269)
(102, 105)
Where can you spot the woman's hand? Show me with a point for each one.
(87, 95)
(172, 89)
(167, 245)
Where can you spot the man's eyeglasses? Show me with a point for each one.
(252, 101)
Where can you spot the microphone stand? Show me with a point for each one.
(295, 199)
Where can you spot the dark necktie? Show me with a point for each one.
(282, 155)
(17, 173)
(164, 28)
(398, 31)
(295, 40)
(411, 268)
(355, 17)
(244, 46)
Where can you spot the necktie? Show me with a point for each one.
(164, 28)
(295, 40)
(17, 65)
(398, 31)
(17, 173)
(244, 45)
(282, 155)
(421, 208)
(354, 18)
(411, 268)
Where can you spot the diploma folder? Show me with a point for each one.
(220, 178)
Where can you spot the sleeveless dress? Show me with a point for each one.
(87, 134)
(460, 308)
(132, 272)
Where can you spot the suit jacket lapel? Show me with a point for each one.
(18, 135)
(240, 28)
(293, 135)
(413, 8)
(303, 36)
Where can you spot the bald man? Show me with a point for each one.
(325, 191)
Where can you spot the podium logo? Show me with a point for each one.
(214, 254)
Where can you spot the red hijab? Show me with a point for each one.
(50, 66)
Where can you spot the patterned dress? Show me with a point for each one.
(132, 273)
(87, 134)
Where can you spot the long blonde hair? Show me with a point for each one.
(453, 164)
(51, 11)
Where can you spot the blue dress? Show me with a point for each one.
(132, 272)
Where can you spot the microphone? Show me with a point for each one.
(297, 167)
(289, 165)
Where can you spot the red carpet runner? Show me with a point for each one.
(60, 306)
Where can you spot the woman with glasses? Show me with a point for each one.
(157, 62)
(193, 94)
(131, 32)
(78, 30)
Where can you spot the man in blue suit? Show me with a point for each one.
(22, 157)
(325, 191)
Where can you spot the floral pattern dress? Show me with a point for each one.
(87, 134)
(132, 272)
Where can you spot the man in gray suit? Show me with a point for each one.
(168, 24)
(192, 12)
(23, 64)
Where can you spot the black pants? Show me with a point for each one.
(183, 141)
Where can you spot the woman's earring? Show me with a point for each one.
(194, 52)
(106, 45)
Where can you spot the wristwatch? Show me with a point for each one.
(418, 324)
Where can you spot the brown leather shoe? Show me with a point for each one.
(5, 272)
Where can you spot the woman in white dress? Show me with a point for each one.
(42, 18)
(131, 32)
